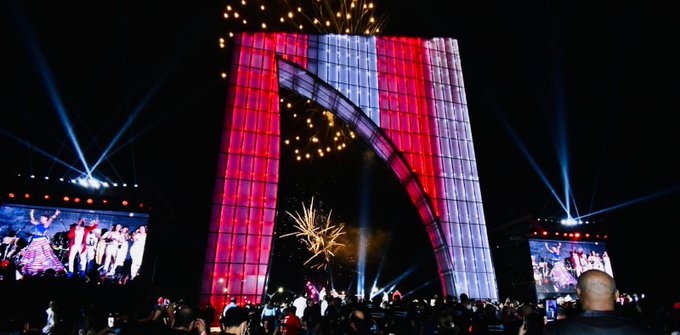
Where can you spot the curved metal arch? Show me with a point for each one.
(296, 78)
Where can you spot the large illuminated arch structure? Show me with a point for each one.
(404, 96)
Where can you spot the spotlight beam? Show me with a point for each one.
(631, 202)
(560, 139)
(110, 150)
(397, 280)
(419, 287)
(40, 151)
(363, 228)
(382, 262)
(128, 122)
(515, 138)
(573, 199)
(150, 126)
(49, 84)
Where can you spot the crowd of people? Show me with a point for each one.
(145, 311)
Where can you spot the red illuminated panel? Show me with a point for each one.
(242, 223)
(404, 111)
(425, 139)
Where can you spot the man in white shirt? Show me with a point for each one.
(300, 304)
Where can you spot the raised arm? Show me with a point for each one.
(93, 226)
(547, 247)
(33, 220)
(54, 216)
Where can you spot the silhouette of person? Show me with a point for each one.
(598, 294)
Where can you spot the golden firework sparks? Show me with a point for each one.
(321, 239)
(358, 17)
(317, 132)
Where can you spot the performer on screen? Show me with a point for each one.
(77, 245)
(576, 261)
(38, 255)
(8, 245)
(137, 250)
(607, 264)
(91, 240)
(113, 238)
(559, 274)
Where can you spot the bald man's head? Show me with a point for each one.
(597, 291)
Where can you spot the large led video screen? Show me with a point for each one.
(557, 264)
(53, 241)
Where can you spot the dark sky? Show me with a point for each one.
(603, 75)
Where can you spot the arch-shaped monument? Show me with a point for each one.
(404, 96)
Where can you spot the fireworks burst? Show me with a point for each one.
(320, 239)
(358, 17)
(317, 132)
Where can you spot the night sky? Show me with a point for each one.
(591, 82)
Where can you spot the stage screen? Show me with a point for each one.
(557, 264)
(38, 240)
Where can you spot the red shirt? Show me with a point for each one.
(291, 324)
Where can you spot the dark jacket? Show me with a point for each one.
(596, 322)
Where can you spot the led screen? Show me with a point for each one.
(557, 264)
(44, 241)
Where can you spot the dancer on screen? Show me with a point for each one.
(559, 274)
(137, 250)
(113, 238)
(78, 243)
(38, 255)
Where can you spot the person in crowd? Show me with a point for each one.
(162, 316)
(38, 255)
(533, 324)
(322, 294)
(597, 293)
(359, 324)
(185, 322)
(462, 312)
(77, 245)
(290, 323)
(396, 295)
(235, 321)
(269, 317)
(232, 304)
(445, 323)
(485, 320)
(52, 319)
(311, 316)
(300, 304)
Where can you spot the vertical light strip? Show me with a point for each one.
(407, 119)
(349, 65)
(466, 235)
(245, 194)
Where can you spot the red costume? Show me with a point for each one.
(86, 230)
